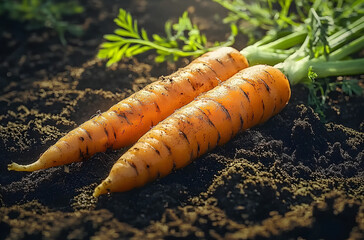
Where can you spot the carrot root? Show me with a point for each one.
(17, 167)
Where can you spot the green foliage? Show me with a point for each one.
(320, 45)
(351, 87)
(318, 91)
(272, 18)
(181, 39)
(43, 13)
(318, 32)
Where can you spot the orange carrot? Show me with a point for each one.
(250, 97)
(124, 123)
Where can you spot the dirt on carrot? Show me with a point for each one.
(292, 177)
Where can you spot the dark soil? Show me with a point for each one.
(294, 177)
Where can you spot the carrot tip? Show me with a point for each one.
(99, 190)
(96, 192)
(16, 167)
(103, 188)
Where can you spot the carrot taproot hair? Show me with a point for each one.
(125, 122)
(250, 97)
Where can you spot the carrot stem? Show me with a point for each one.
(257, 55)
(273, 52)
(338, 68)
(342, 43)
(297, 71)
(344, 35)
(348, 49)
(286, 42)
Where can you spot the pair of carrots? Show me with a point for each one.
(241, 97)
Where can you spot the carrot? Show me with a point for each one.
(125, 122)
(250, 97)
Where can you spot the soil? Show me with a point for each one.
(294, 177)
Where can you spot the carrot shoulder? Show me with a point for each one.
(250, 97)
(125, 122)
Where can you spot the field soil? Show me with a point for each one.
(297, 176)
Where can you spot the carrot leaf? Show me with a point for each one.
(182, 39)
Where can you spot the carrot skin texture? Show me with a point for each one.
(250, 97)
(125, 122)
